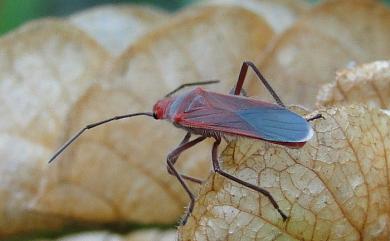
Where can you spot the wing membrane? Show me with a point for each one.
(247, 117)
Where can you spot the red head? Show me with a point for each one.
(161, 108)
(170, 107)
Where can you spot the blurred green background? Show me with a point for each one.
(15, 12)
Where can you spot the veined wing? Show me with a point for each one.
(268, 122)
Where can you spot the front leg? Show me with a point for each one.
(174, 155)
(171, 159)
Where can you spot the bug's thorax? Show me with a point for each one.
(170, 108)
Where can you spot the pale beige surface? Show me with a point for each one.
(44, 68)
(279, 14)
(116, 27)
(330, 37)
(335, 188)
(152, 235)
(142, 235)
(367, 83)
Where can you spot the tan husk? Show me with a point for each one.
(279, 14)
(330, 37)
(142, 235)
(335, 188)
(116, 27)
(367, 83)
(45, 66)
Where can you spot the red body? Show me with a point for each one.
(212, 114)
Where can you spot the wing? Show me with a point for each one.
(246, 117)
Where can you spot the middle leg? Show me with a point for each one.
(318, 116)
(218, 170)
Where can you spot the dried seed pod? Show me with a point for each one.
(335, 188)
(328, 38)
(45, 67)
(279, 14)
(365, 84)
(116, 27)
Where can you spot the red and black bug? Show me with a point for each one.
(213, 115)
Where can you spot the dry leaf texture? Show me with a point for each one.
(154, 235)
(143, 235)
(279, 14)
(47, 59)
(368, 83)
(118, 172)
(335, 188)
(116, 27)
(44, 67)
(330, 37)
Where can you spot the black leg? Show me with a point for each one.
(174, 159)
(171, 159)
(243, 92)
(174, 155)
(241, 78)
(192, 84)
(186, 138)
(217, 169)
(318, 116)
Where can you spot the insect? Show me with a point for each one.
(213, 115)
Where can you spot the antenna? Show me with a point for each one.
(191, 84)
(93, 125)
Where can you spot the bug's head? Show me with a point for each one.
(161, 107)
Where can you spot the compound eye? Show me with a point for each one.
(197, 103)
(158, 111)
